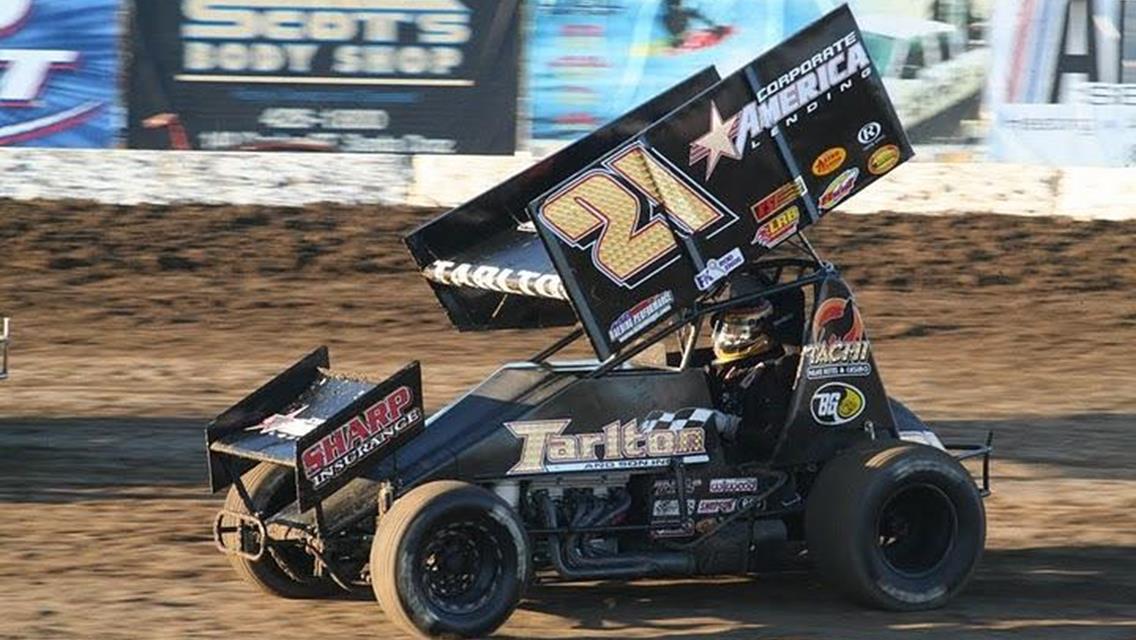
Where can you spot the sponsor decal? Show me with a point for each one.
(706, 506)
(806, 87)
(883, 160)
(837, 359)
(829, 161)
(669, 508)
(717, 505)
(363, 434)
(837, 320)
(733, 485)
(779, 199)
(718, 268)
(870, 134)
(288, 426)
(640, 316)
(836, 403)
(778, 228)
(484, 276)
(661, 436)
(839, 189)
(667, 487)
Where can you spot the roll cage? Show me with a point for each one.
(810, 269)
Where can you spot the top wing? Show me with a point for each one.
(652, 225)
(484, 259)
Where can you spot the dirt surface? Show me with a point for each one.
(134, 325)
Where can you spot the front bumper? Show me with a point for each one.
(971, 451)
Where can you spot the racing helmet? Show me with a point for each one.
(742, 332)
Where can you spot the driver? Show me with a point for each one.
(746, 370)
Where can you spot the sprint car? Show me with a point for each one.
(629, 464)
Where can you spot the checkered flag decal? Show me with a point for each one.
(681, 419)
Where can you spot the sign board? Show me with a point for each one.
(380, 76)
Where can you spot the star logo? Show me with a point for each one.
(717, 142)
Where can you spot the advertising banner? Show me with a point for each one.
(381, 76)
(58, 73)
(592, 61)
(1062, 89)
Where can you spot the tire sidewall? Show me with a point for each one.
(924, 465)
(467, 504)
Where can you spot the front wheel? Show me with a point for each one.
(450, 559)
(896, 526)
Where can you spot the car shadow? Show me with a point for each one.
(73, 459)
(1044, 592)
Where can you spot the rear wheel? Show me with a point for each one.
(896, 526)
(450, 559)
(284, 571)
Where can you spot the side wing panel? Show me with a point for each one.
(484, 260)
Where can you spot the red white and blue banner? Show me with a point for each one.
(59, 73)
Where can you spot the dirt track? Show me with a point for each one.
(1024, 326)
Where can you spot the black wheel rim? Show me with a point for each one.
(460, 566)
(917, 529)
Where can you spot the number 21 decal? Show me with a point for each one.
(601, 211)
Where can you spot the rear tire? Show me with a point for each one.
(270, 488)
(450, 559)
(896, 526)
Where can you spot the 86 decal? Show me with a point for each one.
(836, 403)
(603, 211)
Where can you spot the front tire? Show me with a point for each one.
(896, 526)
(450, 559)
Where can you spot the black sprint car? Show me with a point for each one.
(652, 459)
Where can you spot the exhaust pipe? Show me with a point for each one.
(572, 564)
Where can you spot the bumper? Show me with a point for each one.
(972, 451)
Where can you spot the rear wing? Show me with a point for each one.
(328, 427)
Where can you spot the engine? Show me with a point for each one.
(624, 527)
